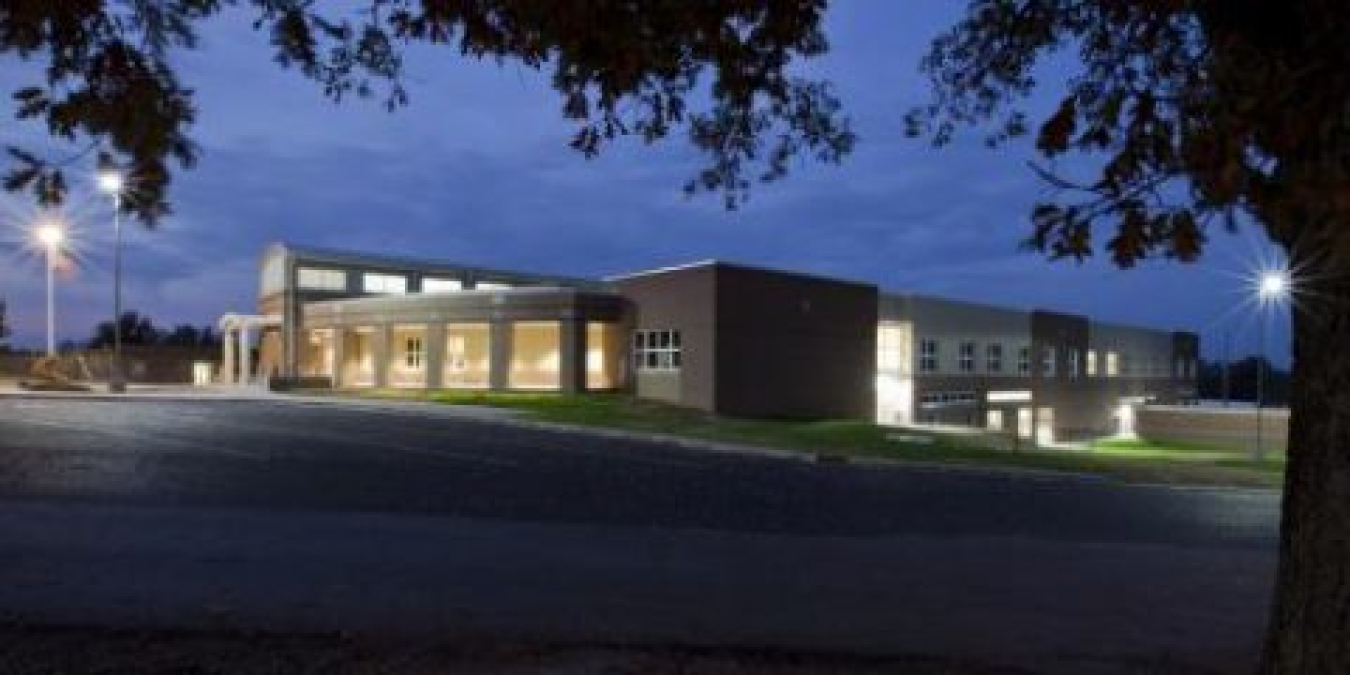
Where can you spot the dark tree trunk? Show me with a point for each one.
(1310, 620)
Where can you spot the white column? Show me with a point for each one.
(245, 356)
(227, 361)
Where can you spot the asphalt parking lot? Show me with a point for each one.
(294, 518)
(274, 455)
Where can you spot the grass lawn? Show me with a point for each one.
(1134, 461)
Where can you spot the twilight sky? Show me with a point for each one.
(477, 170)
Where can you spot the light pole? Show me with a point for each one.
(111, 183)
(1273, 287)
(51, 236)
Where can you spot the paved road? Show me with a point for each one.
(310, 516)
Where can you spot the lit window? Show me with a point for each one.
(928, 356)
(1091, 363)
(434, 285)
(656, 350)
(1073, 363)
(315, 279)
(1048, 362)
(967, 357)
(893, 348)
(384, 283)
(993, 360)
(1024, 360)
(468, 354)
(1112, 364)
(491, 286)
(412, 352)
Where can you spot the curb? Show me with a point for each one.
(105, 396)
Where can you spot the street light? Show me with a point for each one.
(51, 236)
(111, 182)
(1273, 286)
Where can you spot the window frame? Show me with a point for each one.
(414, 352)
(929, 352)
(993, 357)
(657, 350)
(966, 356)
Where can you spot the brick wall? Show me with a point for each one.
(1221, 428)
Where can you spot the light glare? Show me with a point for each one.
(1274, 285)
(110, 182)
(51, 235)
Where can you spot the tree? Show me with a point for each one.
(1202, 113)
(186, 335)
(621, 68)
(1242, 378)
(137, 330)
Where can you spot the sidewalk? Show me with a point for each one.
(173, 392)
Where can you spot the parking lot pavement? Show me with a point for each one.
(272, 514)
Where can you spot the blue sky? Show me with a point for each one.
(477, 170)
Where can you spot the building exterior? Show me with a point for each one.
(727, 338)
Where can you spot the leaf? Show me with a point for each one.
(1059, 129)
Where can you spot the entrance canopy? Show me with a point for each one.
(236, 341)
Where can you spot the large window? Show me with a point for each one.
(657, 350)
(967, 357)
(316, 279)
(1091, 363)
(374, 282)
(928, 356)
(317, 359)
(1112, 364)
(893, 349)
(993, 358)
(434, 285)
(467, 356)
(604, 355)
(491, 286)
(535, 354)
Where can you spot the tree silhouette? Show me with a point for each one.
(137, 330)
(620, 69)
(140, 330)
(1202, 113)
